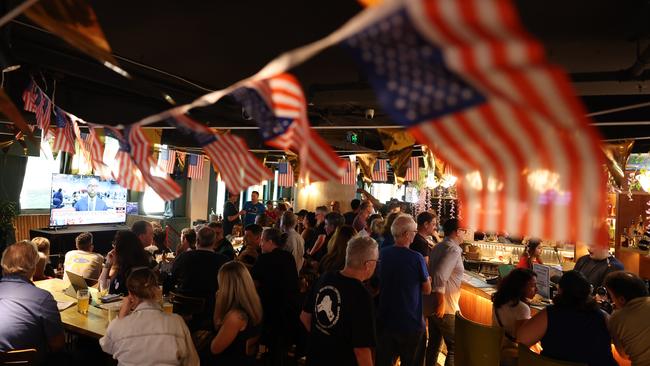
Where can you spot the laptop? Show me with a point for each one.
(78, 283)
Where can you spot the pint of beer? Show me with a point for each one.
(83, 299)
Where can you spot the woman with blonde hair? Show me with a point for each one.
(44, 269)
(145, 335)
(237, 317)
(334, 260)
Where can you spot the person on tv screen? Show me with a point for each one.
(91, 202)
(57, 199)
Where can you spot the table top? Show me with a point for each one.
(92, 324)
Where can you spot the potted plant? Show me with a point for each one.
(8, 212)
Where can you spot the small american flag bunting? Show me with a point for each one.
(195, 166)
(380, 171)
(413, 170)
(350, 174)
(285, 174)
(63, 134)
(167, 160)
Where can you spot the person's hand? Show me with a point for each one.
(127, 306)
(440, 312)
(110, 258)
(242, 212)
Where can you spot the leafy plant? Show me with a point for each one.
(8, 211)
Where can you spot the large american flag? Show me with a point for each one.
(285, 174)
(350, 174)
(90, 148)
(238, 167)
(278, 106)
(413, 170)
(380, 171)
(472, 84)
(195, 166)
(63, 135)
(167, 160)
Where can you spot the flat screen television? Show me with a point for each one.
(86, 199)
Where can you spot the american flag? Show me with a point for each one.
(92, 145)
(278, 106)
(472, 84)
(195, 166)
(35, 100)
(238, 167)
(63, 135)
(285, 174)
(127, 175)
(350, 174)
(413, 170)
(380, 171)
(167, 160)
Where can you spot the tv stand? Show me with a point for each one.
(62, 238)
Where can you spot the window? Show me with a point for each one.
(384, 192)
(152, 203)
(37, 185)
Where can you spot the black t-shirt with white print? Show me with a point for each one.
(342, 319)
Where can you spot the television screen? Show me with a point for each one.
(86, 199)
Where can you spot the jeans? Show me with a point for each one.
(391, 345)
(440, 329)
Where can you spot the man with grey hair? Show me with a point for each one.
(339, 311)
(403, 278)
(295, 243)
(29, 315)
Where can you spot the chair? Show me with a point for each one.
(477, 344)
(504, 269)
(18, 357)
(530, 358)
(186, 305)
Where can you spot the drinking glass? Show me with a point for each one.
(83, 300)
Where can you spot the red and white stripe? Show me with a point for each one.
(350, 174)
(44, 114)
(64, 136)
(230, 156)
(29, 97)
(286, 179)
(168, 164)
(91, 149)
(413, 170)
(531, 125)
(195, 171)
(154, 176)
(318, 162)
(380, 171)
(128, 174)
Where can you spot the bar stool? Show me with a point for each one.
(530, 358)
(23, 357)
(476, 344)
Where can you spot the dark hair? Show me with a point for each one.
(215, 225)
(450, 226)
(364, 205)
(322, 208)
(255, 192)
(205, 237)
(335, 219)
(140, 227)
(269, 202)
(159, 238)
(576, 292)
(424, 217)
(532, 244)
(84, 241)
(626, 284)
(302, 213)
(512, 288)
(389, 222)
(355, 203)
(190, 235)
(370, 219)
(276, 236)
(311, 219)
(129, 252)
(255, 229)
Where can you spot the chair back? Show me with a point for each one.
(186, 305)
(22, 357)
(530, 358)
(476, 344)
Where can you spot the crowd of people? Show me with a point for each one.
(363, 287)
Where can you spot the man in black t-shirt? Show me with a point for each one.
(276, 279)
(230, 214)
(350, 215)
(194, 273)
(427, 223)
(597, 264)
(339, 312)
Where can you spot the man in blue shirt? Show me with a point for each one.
(252, 209)
(403, 279)
(29, 315)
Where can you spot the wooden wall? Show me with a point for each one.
(24, 223)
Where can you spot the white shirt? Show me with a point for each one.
(446, 270)
(148, 336)
(85, 264)
(509, 315)
(91, 203)
(296, 246)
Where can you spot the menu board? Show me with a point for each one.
(543, 280)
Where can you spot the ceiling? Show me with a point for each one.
(187, 48)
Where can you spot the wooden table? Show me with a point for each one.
(92, 324)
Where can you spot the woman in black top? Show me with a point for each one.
(129, 254)
(573, 328)
(237, 316)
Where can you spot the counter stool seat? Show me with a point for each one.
(476, 344)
